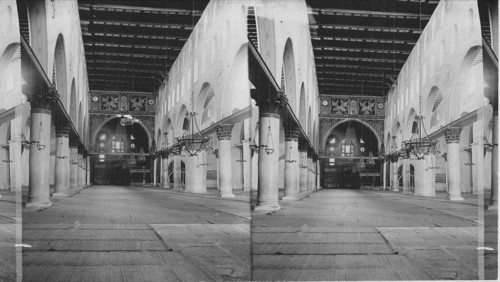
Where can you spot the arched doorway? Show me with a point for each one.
(351, 148)
(122, 154)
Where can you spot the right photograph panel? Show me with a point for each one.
(376, 141)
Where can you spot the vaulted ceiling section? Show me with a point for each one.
(360, 46)
(131, 45)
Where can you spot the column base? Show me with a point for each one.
(61, 194)
(492, 206)
(293, 197)
(227, 195)
(406, 192)
(39, 204)
(430, 195)
(455, 198)
(267, 207)
(395, 190)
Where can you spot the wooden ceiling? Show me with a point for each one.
(361, 45)
(131, 45)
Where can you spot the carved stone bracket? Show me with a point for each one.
(291, 131)
(272, 106)
(303, 146)
(224, 131)
(44, 100)
(452, 134)
(62, 128)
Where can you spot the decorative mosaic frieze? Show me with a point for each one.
(349, 106)
(116, 102)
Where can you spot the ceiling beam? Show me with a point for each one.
(361, 59)
(367, 28)
(136, 46)
(328, 66)
(366, 13)
(134, 55)
(137, 9)
(363, 39)
(127, 62)
(364, 50)
(139, 24)
(133, 35)
(358, 74)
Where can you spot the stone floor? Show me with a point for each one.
(8, 230)
(370, 235)
(117, 233)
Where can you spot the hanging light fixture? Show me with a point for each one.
(40, 144)
(419, 144)
(371, 160)
(269, 146)
(289, 157)
(192, 139)
(142, 156)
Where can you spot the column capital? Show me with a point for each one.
(272, 105)
(43, 101)
(62, 128)
(291, 132)
(73, 142)
(303, 146)
(452, 134)
(224, 131)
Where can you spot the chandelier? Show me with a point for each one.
(127, 120)
(192, 139)
(419, 144)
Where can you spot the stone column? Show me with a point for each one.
(302, 165)
(406, 174)
(269, 128)
(88, 172)
(394, 175)
(225, 162)
(80, 170)
(452, 136)
(384, 173)
(155, 164)
(493, 205)
(247, 181)
(177, 171)
(318, 175)
(73, 167)
(425, 179)
(477, 160)
(196, 173)
(39, 190)
(164, 172)
(62, 159)
(291, 162)
(310, 172)
(16, 168)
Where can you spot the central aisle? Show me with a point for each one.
(115, 233)
(365, 235)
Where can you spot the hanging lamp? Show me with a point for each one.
(419, 144)
(193, 139)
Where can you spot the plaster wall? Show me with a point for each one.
(50, 21)
(278, 32)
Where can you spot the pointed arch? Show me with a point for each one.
(302, 106)
(289, 74)
(60, 72)
(72, 109)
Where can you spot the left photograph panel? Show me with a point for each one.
(13, 163)
(131, 135)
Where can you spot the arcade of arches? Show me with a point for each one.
(258, 100)
(78, 132)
